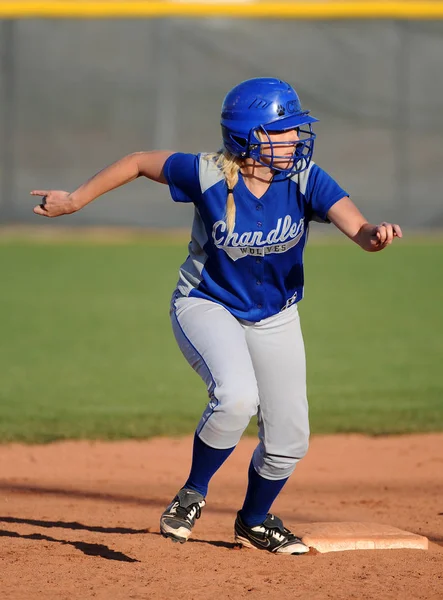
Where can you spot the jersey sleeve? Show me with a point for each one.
(182, 174)
(322, 192)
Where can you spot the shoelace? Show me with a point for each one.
(275, 534)
(280, 537)
(191, 513)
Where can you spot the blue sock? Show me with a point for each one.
(260, 495)
(205, 462)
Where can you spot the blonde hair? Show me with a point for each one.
(229, 165)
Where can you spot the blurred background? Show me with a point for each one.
(86, 348)
(76, 94)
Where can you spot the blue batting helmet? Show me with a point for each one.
(266, 105)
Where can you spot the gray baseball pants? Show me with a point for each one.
(249, 368)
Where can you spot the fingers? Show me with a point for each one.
(381, 234)
(386, 232)
(40, 210)
(40, 192)
(52, 203)
(397, 231)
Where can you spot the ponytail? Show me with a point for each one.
(230, 167)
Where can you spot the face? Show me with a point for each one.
(284, 144)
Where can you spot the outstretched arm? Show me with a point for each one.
(128, 168)
(372, 238)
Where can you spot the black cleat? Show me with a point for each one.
(178, 519)
(271, 535)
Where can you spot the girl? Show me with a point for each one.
(234, 310)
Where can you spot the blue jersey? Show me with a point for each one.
(257, 270)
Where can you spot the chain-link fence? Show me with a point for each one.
(76, 95)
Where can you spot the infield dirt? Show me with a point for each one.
(79, 520)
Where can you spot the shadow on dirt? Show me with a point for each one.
(72, 525)
(87, 495)
(216, 543)
(89, 549)
(436, 539)
(160, 503)
(432, 537)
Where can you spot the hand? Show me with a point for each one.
(376, 237)
(54, 203)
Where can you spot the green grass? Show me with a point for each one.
(86, 348)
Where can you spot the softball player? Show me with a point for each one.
(234, 311)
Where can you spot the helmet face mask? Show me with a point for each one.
(258, 108)
(267, 152)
